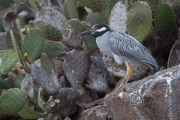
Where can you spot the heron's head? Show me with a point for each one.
(96, 30)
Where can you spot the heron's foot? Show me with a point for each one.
(120, 87)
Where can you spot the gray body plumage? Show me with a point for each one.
(124, 47)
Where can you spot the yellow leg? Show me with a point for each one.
(128, 74)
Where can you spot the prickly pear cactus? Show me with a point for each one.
(163, 19)
(12, 101)
(139, 20)
(28, 113)
(8, 60)
(48, 31)
(55, 18)
(9, 42)
(47, 63)
(109, 6)
(33, 44)
(76, 25)
(2, 84)
(52, 48)
(94, 18)
(4, 3)
(95, 5)
(152, 3)
(8, 20)
(19, 25)
(70, 8)
(33, 4)
(117, 18)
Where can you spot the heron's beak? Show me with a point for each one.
(87, 32)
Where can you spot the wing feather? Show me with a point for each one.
(125, 45)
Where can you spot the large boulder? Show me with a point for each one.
(153, 98)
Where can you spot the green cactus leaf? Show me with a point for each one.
(8, 39)
(2, 84)
(33, 44)
(52, 48)
(66, 12)
(109, 5)
(28, 113)
(95, 5)
(12, 101)
(8, 60)
(163, 19)
(18, 80)
(42, 104)
(152, 3)
(139, 20)
(47, 63)
(55, 18)
(71, 7)
(1, 25)
(49, 31)
(4, 3)
(33, 4)
(94, 18)
(19, 25)
(76, 25)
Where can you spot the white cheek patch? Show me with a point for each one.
(102, 29)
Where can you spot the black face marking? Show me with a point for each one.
(99, 29)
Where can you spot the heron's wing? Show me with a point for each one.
(124, 45)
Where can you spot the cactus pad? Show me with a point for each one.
(8, 60)
(4, 3)
(95, 5)
(12, 101)
(8, 20)
(28, 113)
(71, 8)
(33, 4)
(139, 20)
(47, 63)
(33, 44)
(8, 39)
(49, 31)
(2, 84)
(118, 16)
(52, 48)
(163, 19)
(152, 3)
(109, 5)
(55, 18)
(76, 25)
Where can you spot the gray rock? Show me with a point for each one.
(97, 81)
(42, 79)
(153, 98)
(76, 67)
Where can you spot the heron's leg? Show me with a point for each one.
(128, 74)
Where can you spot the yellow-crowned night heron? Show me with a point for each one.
(121, 46)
